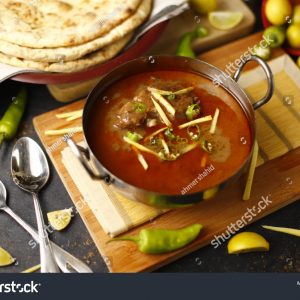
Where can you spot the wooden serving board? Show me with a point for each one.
(270, 182)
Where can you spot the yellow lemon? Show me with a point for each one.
(225, 20)
(293, 35)
(296, 14)
(278, 12)
(5, 258)
(203, 6)
(247, 242)
(60, 219)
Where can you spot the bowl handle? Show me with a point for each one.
(83, 156)
(269, 75)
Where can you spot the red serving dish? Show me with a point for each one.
(135, 51)
(266, 24)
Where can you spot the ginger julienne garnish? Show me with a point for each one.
(64, 131)
(156, 133)
(164, 103)
(139, 146)
(291, 231)
(247, 191)
(168, 93)
(68, 117)
(162, 114)
(70, 114)
(196, 121)
(175, 145)
(143, 162)
(214, 122)
(140, 158)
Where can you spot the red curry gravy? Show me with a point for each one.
(120, 111)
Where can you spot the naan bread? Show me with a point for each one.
(86, 62)
(76, 52)
(53, 23)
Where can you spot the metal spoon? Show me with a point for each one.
(65, 260)
(30, 171)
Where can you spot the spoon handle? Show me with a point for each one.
(63, 258)
(48, 264)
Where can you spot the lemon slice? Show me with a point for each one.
(5, 258)
(60, 219)
(225, 20)
(247, 242)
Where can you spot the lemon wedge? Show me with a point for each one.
(247, 242)
(5, 258)
(60, 219)
(225, 20)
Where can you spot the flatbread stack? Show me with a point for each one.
(67, 35)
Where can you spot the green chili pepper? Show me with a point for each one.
(194, 132)
(139, 107)
(11, 120)
(206, 146)
(171, 97)
(192, 111)
(185, 44)
(170, 135)
(134, 136)
(155, 241)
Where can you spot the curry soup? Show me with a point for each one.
(159, 130)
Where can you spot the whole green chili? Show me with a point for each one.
(155, 241)
(10, 122)
(185, 45)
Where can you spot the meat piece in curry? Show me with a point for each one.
(141, 109)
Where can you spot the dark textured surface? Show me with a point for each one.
(283, 257)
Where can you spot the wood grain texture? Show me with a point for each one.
(216, 215)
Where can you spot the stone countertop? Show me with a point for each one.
(284, 255)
